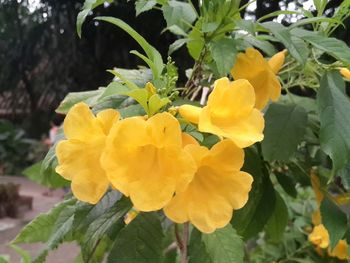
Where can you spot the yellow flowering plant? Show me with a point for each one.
(163, 171)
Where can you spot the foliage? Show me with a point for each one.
(306, 143)
(16, 150)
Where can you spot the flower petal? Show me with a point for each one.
(319, 236)
(197, 152)
(79, 162)
(252, 66)
(132, 132)
(147, 168)
(225, 156)
(276, 61)
(246, 131)
(340, 251)
(165, 130)
(190, 113)
(80, 123)
(188, 139)
(177, 209)
(243, 132)
(215, 191)
(108, 118)
(231, 100)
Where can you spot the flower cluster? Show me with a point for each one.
(319, 235)
(151, 160)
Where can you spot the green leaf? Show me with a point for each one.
(224, 54)
(277, 13)
(180, 14)
(150, 51)
(156, 103)
(197, 252)
(195, 42)
(176, 30)
(144, 5)
(209, 140)
(334, 220)
(320, 5)
(265, 46)
(176, 45)
(138, 76)
(278, 221)
(47, 177)
(113, 217)
(42, 257)
(113, 89)
(246, 25)
(131, 85)
(334, 108)
(296, 47)
(141, 96)
(309, 104)
(89, 97)
(208, 27)
(41, 228)
(86, 213)
(25, 256)
(318, 19)
(287, 183)
(88, 6)
(63, 226)
(62, 229)
(285, 126)
(344, 174)
(251, 219)
(224, 245)
(140, 241)
(335, 47)
(132, 110)
(149, 62)
(50, 157)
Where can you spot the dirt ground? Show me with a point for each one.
(9, 227)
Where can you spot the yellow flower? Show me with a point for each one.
(79, 155)
(340, 251)
(229, 113)
(319, 236)
(131, 215)
(345, 72)
(277, 60)
(188, 139)
(252, 66)
(190, 113)
(218, 188)
(144, 159)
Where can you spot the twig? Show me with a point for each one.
(185, 243)
(178, 238)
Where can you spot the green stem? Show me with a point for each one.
(182, 242)
(197, 69)
(177, 236)
(185, 243)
